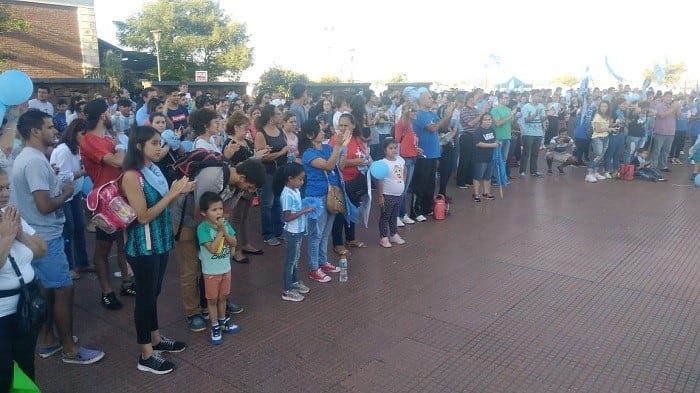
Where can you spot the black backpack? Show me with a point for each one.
(193, 162)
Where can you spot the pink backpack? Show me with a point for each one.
(110, 210)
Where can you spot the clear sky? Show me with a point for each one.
(452, 41)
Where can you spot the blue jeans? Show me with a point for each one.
(74, 233)
(616, 145)
(632, 144)
(410, 167)
(598, 148)
(291, 258)
(319, 232)
(270, 211)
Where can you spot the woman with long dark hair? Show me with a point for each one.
(354, 161)
(149, 241)
(66, 157)
(271, 137)
(319, 161)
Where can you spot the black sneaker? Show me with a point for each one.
(476, 198)
(155, 364)
(110, 301)
(233, 308)
(169, 345)
(128, 291)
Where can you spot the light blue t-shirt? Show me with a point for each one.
(427, 140)
(32, 172)
(533, 127)
(290, 200)
(219, 263)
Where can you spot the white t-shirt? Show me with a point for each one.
(45, 107)
(201, 143)
(67, 163)
(394, 182)
(8, 279)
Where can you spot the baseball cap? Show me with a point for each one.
(95, 108)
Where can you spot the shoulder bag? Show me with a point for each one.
(31, 306)
(335, 199)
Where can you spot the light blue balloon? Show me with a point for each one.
(379, 170)
(3, 109)
(697, 180)
(15, 87)
(187, 145)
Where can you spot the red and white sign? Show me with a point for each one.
(201, 76)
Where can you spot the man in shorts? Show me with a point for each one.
(39, 196)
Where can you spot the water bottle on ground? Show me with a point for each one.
(343, 269)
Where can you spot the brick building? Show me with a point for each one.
(61, 41)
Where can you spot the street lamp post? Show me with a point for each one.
(156, 40)
(352, 59)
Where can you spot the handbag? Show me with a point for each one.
(31, 307)
(335, 199)
(356, 189)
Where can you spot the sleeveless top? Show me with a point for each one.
(276, 143)
(160, 230)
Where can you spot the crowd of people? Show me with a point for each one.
(284, 158)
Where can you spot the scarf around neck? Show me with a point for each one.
(155, 178)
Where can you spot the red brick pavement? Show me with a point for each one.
(561, 286)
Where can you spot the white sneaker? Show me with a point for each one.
(399, 223)
(407, 220)
(397, 239)
(599, 176)
(384, 242)
(591, 178)
(421, 218)
(607, 175)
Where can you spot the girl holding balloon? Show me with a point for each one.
(390, 173)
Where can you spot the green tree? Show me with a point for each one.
(111, 68)
(278, 80)
(330, 78)
(399, 78)
(195, 35)
(672, 73)
(9, 22)
(567, 80)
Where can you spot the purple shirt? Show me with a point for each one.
(664, 125)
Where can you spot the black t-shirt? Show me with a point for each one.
(636, 125)
(178, 116)
(483, 154)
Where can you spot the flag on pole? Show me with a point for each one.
(611, 71)
(660, 74)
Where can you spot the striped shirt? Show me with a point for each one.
(122, 123)
(290, 200)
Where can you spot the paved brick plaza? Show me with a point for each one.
(561, 286)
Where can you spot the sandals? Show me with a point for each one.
(356, 244)
(342, 251)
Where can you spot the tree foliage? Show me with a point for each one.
(399, 78)
(672, 73)
(278, 80)
(9, 22)
(567, 80)
(111, 68)
(195, 35)
(330, 78)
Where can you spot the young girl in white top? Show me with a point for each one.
(390, 190)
